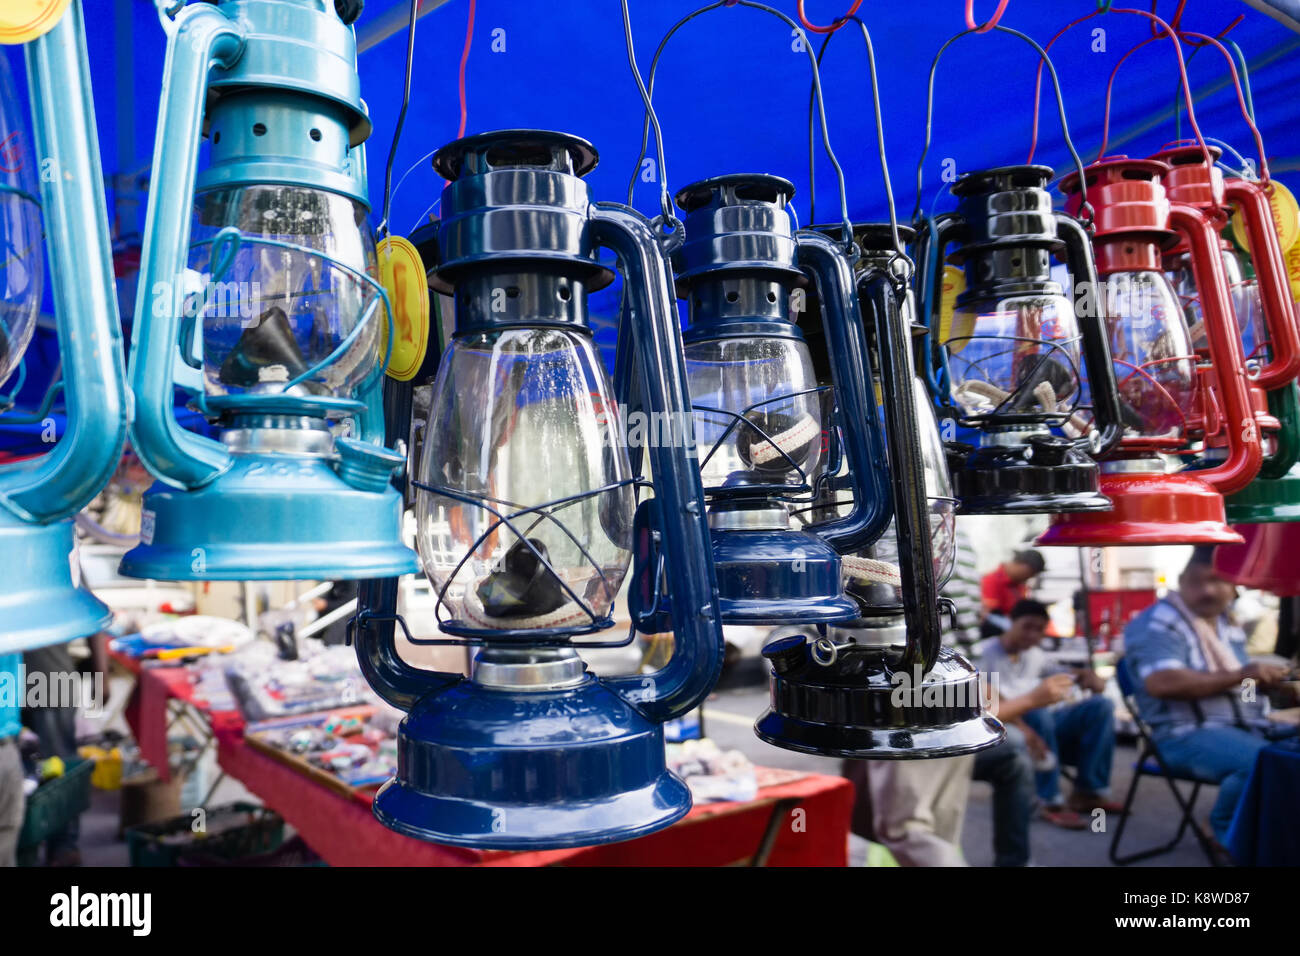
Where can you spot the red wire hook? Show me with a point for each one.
(815, 28)
(986, 27)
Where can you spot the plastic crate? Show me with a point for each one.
(56, 803)
(292, 852)
(232, 831)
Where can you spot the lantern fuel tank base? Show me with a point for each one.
(779, 577)
(1266, 500)
(998, 480)
(1148, 510)
(42, 602)
(270, 518)
(863, 704)
(515, 770)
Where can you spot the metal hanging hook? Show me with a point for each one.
(648, 93)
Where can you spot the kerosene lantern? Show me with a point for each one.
(765, 447)
(1016, 353)
(528, 522)
(1261, 302)
(1266, 319)
(42, 600)
(1171, 400)
(882, 686)
(265, 310)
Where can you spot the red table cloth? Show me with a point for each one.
(814, 831)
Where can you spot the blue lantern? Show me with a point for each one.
(265, 310)
(768, 441)
(41, 597)
(527, 521)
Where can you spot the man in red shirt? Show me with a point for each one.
(1006, 584)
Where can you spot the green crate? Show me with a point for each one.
(56, 803)
(234, 830)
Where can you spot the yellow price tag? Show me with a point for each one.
(953, 285)
(1286, 219)
(1292, 257)
(402, 274)
(22, 21)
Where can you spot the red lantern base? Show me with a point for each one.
(1148, 509)
(1266, 561)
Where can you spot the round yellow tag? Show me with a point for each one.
(402, 274)
(1286, 219)
(24, 20)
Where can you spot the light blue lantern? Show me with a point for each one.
(265, 309)
(42, 600)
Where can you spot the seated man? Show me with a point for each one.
(1081, 734)
(1188, 659)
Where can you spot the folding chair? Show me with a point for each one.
(1150, 763)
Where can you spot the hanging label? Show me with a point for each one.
(1286, 219)
(22, 21)
(401, 271)
(953, 284)
(1292, 257)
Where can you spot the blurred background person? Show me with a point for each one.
(1080, 733)
(1006, 584)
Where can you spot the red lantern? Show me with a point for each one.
(1172, 398)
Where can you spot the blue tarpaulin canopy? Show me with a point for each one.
(732, 93)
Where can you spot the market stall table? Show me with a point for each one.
(802, 822)
(162, 698)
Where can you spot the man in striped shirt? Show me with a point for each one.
(1195, 686)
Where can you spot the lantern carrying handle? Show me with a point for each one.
(1165, 31)
(60, 483)
(1043, 60)
(911, 505)
(817, 89)
(203, 36)
(1200, 40)
(864, 446)
(900, 251)
(1089, 312)
(1274, 284)
(650, 315)
(1245, 454)
(1284, 405)
(931, 238)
